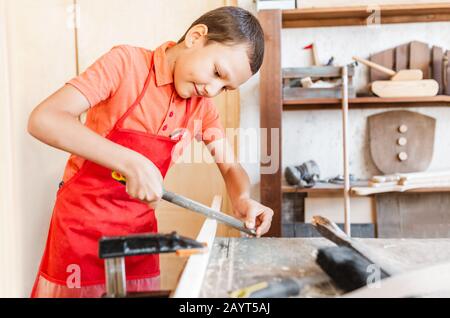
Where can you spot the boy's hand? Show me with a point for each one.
(255, 215)
(144, 180)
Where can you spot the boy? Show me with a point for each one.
(140, 105)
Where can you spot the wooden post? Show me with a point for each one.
(346, 151)
(271, 106)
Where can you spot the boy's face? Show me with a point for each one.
(208, 69)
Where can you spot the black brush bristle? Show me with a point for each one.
(348, 269)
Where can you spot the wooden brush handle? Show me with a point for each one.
(375, 66)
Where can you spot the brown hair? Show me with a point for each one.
(231, 26)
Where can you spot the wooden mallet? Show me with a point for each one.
(402, 75)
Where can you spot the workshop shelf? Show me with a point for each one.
(273, 104)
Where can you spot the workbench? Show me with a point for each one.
(236, 263)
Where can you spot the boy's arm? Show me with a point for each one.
(238, 187)
(55, 122)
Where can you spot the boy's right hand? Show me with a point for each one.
(144, 180)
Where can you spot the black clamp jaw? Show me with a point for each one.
(114, 250)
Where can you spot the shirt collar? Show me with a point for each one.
(163, 73)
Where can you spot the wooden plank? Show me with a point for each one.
(316, 71)
(419, 57)
(402, 57)
(384, 58)
(388, 216)
(346, 151)
(295, 93)
(437, 60)
(367, 102)
(271, 112)
(191, 279)
(360, 15)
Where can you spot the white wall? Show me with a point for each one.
(317, 134)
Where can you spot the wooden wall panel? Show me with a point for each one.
(40, 58)
(8, 221)
(271, 109)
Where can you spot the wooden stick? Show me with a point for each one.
(421, 282)
(191, 280)
(376, 66)
(332, 232)
(346, 154)
(315, 55)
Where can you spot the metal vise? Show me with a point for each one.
(114, 250)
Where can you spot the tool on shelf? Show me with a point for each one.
(197, 207)
(313, 48)
(303, 176)
(114, 250)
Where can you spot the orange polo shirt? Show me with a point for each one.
(114, 82)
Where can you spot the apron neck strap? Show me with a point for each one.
(141, 96)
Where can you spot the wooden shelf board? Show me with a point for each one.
(320, 188)
(367, 102)
(335, 189)
(359, 15)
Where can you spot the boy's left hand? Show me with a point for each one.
(255, 215)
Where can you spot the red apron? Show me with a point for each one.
(92, 205)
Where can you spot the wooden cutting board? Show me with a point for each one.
(385, 133)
